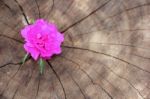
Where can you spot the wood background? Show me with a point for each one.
(106, 52)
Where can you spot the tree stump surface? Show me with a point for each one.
(106, 52)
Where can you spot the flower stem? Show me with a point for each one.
(41, 65)
(25, 58)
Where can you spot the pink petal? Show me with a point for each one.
(60, 37)
(34, 53)
(25, 31)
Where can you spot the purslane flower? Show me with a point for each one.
(42, 39)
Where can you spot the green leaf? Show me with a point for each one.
(42, 65)
(31, 21)
(25, 58)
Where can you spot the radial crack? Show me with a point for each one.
(38, 87)
(138, 6)
(142, 56)
(27, 82)
(89, 77)
(50, 65)
(8, 26)
(120, 45)
(128, 30)
(11, 38)
(68, 7)
(38, 8)
(20, 66)
(126, 10)
(108, 56)
(51, 9)
(23, 13)
(15, 93)
(105, 66)
(82, 19)
(8, 7)
(63, 13)
(77, 85)
(10, 64)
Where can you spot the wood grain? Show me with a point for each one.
(105, 53)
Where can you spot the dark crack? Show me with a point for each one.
(129, 9)
(77, 85)
(10, 64)
(15, 93)
(27, 82)
(108, 56)
(127, 30)
(20, 66)
(38, 87)
(142, 56)
(50, 65)
(88, 76)
(8, 26)
(63, 13)
(7, 6)
(51, 9)
(11, 38)
(127, 45)
(105, 66)
(85, 17)
(23, 12)
(68, 8)
(38, 8)
(126, 10)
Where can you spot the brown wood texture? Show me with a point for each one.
(106, 52)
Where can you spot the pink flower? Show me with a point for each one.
(42, 39)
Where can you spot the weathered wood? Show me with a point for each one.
(106, 52)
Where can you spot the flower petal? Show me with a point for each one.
(34, 53)
(25, 31)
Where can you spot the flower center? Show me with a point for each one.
(40, 41)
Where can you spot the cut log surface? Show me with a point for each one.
(105, 55)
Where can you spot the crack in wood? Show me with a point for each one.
(79, 67)
(51, 9)
(38, 87)
(68, 7)
(134, 46)
(126, 10)
(107, 81)
(19, 63)
(105, 66)
(15, 93)
(7, 6)
(8, 26)
(82, 19)
(63, 13)
(141, 56)
(100, 30)
(50, 65)
(27, 82)
(91, 79)
(19, 87)
(38, 8)
(11, 78)
(11, 38)
(129, 9)
(77, 85)
(108, 56)
(23, 13)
